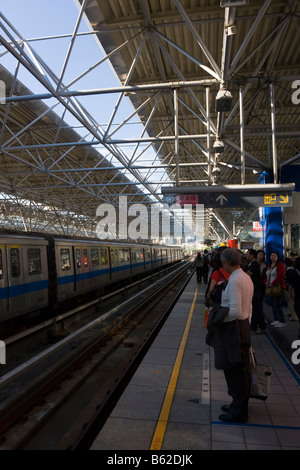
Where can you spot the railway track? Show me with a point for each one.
(61, 398)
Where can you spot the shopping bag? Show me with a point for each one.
(260, 378)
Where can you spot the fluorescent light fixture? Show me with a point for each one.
(233, 3)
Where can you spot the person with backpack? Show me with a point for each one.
(206, 264)
(199, 267)
(218, 281)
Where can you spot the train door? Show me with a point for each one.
(86, 268)
(78, 265)
(105, 267)
(16, 285)
(82, 268)
(65, 271)
(114, 263)
(3, 283)
(35, 276)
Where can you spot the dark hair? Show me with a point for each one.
(297, 263)
(294, 253)
(288, 262)
(252, 252)
(216, 262)
(278, 259)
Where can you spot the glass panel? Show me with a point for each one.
(65, 261)
(112, 256)
(34, 261)
(15, 262)
(1, 266)
(126, 255)
(95, 256)
(85, 257)
(78, 258)
(121, 256)
(103, 256)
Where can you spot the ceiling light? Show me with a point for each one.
(233, 3)
(218, 146)
(223, 101)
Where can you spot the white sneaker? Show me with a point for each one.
(280, 325)
(274, 323)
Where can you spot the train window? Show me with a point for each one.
(133, 253)
(78, 258)
(141, 254)
(15, 262)
(103, 256)
(116, 256)
(126, 255)
(121, 256)
(148, 255)
(34, 261)
(1, 266)
(85, 257)
(95, 256)
(65, 261)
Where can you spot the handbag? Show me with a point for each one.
(260, 378)
(274, 291)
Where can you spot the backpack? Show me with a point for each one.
(216, 295)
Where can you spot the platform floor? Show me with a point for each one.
(173, 401)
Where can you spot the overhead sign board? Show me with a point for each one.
(221, 200)
(224, 197)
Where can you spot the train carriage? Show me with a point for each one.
(23, 275)
(41, 270)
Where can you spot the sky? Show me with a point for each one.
(35, 19)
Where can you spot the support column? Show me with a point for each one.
(243, 160)
(274, 232)
(207, 93)
(272, 223)
(274, 150)
(176, 152)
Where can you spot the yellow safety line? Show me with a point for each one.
(166, 407)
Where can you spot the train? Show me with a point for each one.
(41, 273)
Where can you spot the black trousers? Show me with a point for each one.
(238, 377)
(199, 272)
(257, 319)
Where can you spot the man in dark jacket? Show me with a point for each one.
(237, 297)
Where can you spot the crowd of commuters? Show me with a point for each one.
(236, 289)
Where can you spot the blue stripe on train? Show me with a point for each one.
(21, 289)
(98, 272)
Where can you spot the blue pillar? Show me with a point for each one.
(274, 232)
(272, 223)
